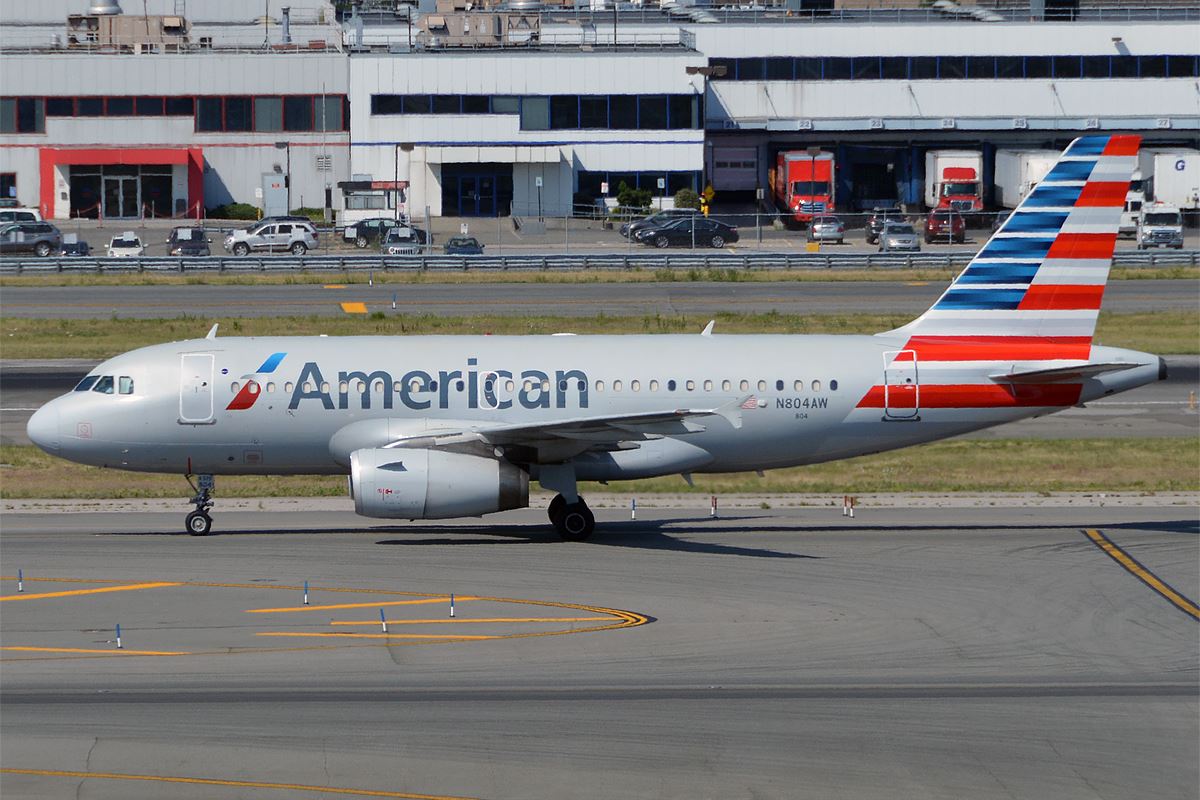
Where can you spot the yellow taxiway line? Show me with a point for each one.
(481, 621)
(287, 787)
(75, 592)
(354, 308)
(290, 609)
(332, 635)
(1144, 575)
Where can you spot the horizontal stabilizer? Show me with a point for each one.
(1062, 374)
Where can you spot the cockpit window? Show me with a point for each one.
(87, 383)
(104, 385)
(125, 385)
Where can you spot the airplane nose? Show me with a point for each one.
(43, 429)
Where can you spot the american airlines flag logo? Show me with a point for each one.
(750, 402)
(250, 390)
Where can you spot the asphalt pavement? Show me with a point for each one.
(908, 653)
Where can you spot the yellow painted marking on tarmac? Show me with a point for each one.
(485, 620)
(287, 787)
(334, 286)
(77, 592)
(917, 283)
(1144, 575)
(354, 308)
(455, 636)
(291, 609)
(106, 651)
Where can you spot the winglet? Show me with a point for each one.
(708, 329)
(212, 332)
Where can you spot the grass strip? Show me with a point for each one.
(448, 276)
(1161, 332)
(992, 465)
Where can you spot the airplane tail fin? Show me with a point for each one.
(1034, 290)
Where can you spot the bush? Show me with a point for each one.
(317, 215)
(633, 198)
(687, 198)
(233, 211)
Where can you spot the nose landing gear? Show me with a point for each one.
(199, 523)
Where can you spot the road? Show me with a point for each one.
(560, 299)
(909, 653)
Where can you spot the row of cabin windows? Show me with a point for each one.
(874, 68)
(510, 385)
(106, 384)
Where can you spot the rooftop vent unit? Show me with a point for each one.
(104, 7)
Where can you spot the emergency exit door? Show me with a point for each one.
(196, 389)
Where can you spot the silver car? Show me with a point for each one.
(294, 237)
(899, 237)
(827, 228)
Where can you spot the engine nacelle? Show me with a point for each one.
(398, 483)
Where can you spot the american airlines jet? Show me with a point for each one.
(432, 427)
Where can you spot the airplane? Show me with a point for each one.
(433, 427)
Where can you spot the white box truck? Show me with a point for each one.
(1172, 176)
(953, 179)
(1018, 171)
(1134, 198)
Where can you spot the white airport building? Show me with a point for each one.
(483, 113)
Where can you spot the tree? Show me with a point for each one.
(629, 197)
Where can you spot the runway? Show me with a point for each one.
(1158, 409)
(908, 653)
(559, 299)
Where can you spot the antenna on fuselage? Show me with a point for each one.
(212, 332)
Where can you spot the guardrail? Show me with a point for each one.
(649, 260)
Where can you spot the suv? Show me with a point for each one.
(945, 225)
(401, 241)
(365, 231)
(191, 242)
(881, 218)
(39, 238)
(295, 237)
(630, 229)
(20, 215)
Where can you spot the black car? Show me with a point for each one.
(689, 231)
(189, 242)
(880, 218)
(77, 248)
(463, 246)
(40, 238)
(630, 229)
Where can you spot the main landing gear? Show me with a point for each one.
(574, 522)
(199, 523)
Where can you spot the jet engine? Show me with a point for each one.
(398, 483)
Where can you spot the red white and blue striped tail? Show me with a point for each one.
(1033, 292)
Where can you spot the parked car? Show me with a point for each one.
(294, 237)
(365, 231)
(629, 229)
(898, 236)
(189, 242)
(400, 241)
(20, 215)
(688, 231)
(945, 225)
(39, 238)
(78, 248)
(463, 246)
(127, 245)
(827, 228)
(879, 219)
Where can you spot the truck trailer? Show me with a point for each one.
(1172, 176)
(1018, 171)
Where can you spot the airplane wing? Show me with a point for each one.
(1062, 374)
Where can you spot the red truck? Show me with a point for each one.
(952, 180)
(803, 183)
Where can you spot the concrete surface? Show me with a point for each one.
(909, 653)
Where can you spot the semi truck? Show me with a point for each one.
(953, 179)
(804, 184)
(1018, 171)
(1172, 176)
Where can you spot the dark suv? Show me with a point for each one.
(39, 238)
(190, 242)
(880, 218)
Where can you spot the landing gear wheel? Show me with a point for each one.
(199, 523)
(575, 522)
(555, 508)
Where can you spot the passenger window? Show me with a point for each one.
(816, 386)
(670, 386)
(762, 386)
(233, 387)
(799, 386)
(654, 386)
(833, 386)
(87, 383)
(744, 385)
(379, 387)
(360, 387)
(104, 385)
(270, 388)
(726, 385)
(779, 386)
(635, 386)
(343, 387)
(325, 386)
(307, 387)
(691, 386)
(545, 385)
(288, 387)
(616, 386)
(509, 385)
(708, 386)
(562, 386)
(599, 386)
(125, 385)
(395, 386)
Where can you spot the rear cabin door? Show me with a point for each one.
(196, 389)
(901, 389)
